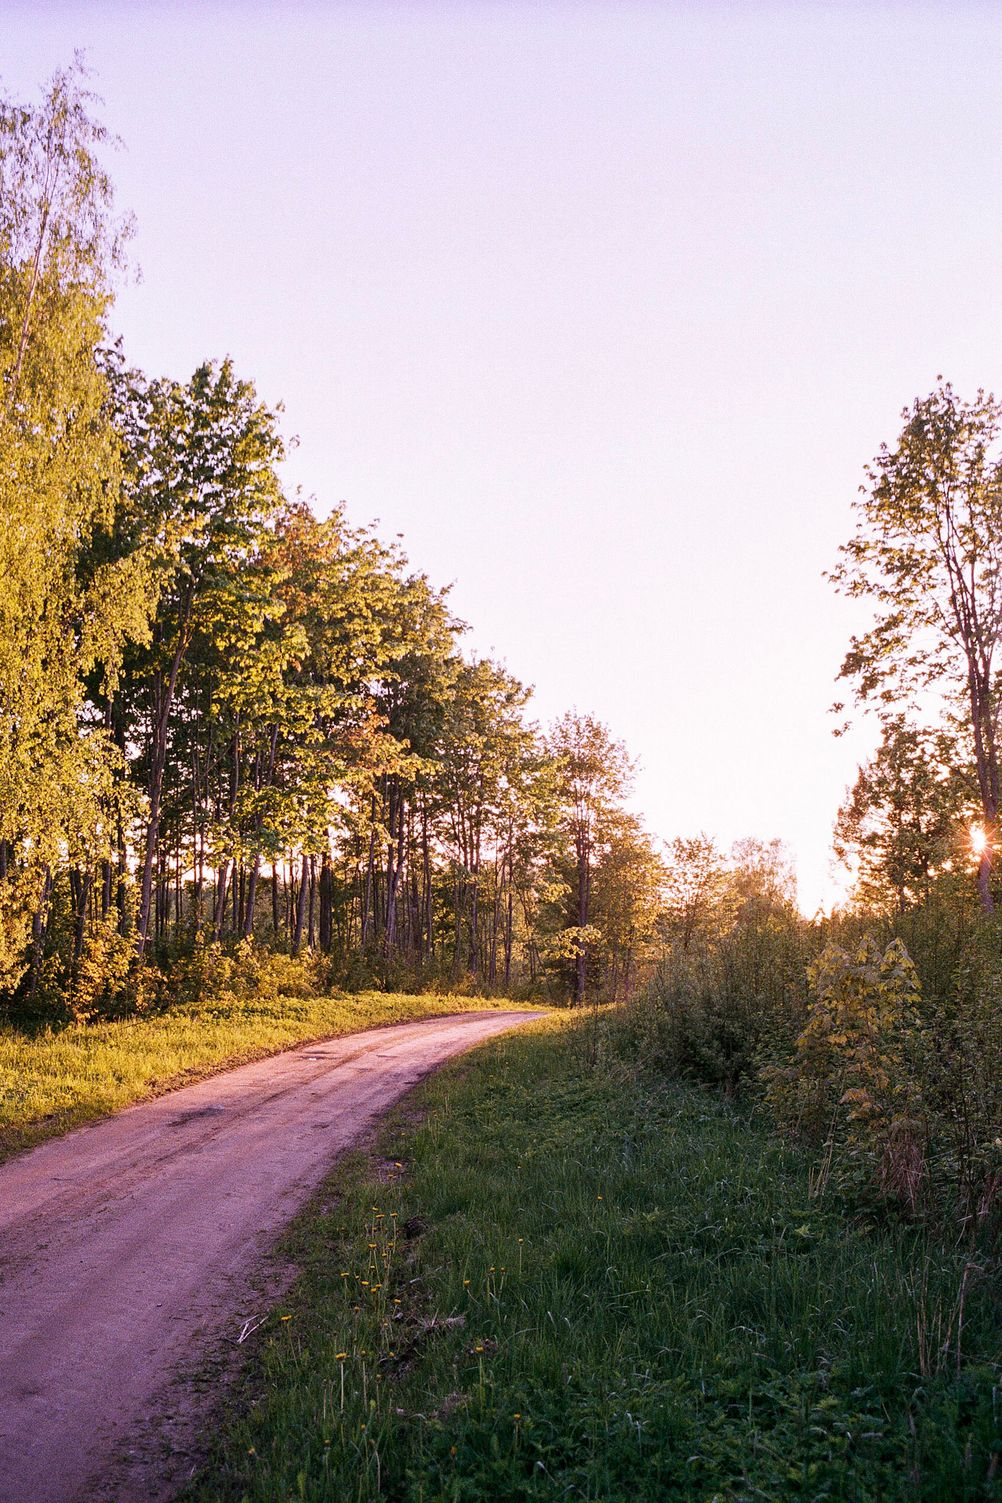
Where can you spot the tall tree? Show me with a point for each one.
(900, 820)
(928, 553)
(207, 481)
(595, 774)
(66, 605)
(696, 891)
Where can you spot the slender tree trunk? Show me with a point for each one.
(369, 877)
(250, 897)
(986, 761)
(39, 924)
(301, 905)
(326, 903)
(220, 909)
(164, 701)
(584, 883)
(429, 924)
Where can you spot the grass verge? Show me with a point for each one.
(569, 1283)
(53, 1081)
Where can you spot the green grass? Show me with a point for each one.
(53, 1081)
(567, 1283)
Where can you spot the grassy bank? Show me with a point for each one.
(52, 1081)
(569, 1284)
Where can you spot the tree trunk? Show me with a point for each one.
(301, 905)
(326, 903)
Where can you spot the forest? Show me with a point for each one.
(227, 715)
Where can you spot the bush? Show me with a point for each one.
(850, 1083)
(710, 1012)
(962, 1085)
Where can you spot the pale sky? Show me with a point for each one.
(603, 307)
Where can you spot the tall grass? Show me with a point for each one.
(571, 1282)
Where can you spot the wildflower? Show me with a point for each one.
(340, 1356)
(285, 1317)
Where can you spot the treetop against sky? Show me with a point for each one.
(604, 309)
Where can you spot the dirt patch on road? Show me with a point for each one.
(128, 1250)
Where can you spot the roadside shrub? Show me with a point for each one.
(106, 981)
(208, 972)
(710, 1012)
(962, 1085)
(850, 1084)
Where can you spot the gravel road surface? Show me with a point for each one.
(129, 1248)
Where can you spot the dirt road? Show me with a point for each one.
(127, 1248)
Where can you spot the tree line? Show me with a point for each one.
(226, 718)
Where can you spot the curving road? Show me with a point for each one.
(127, 1248)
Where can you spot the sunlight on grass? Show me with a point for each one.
(56, 1080)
